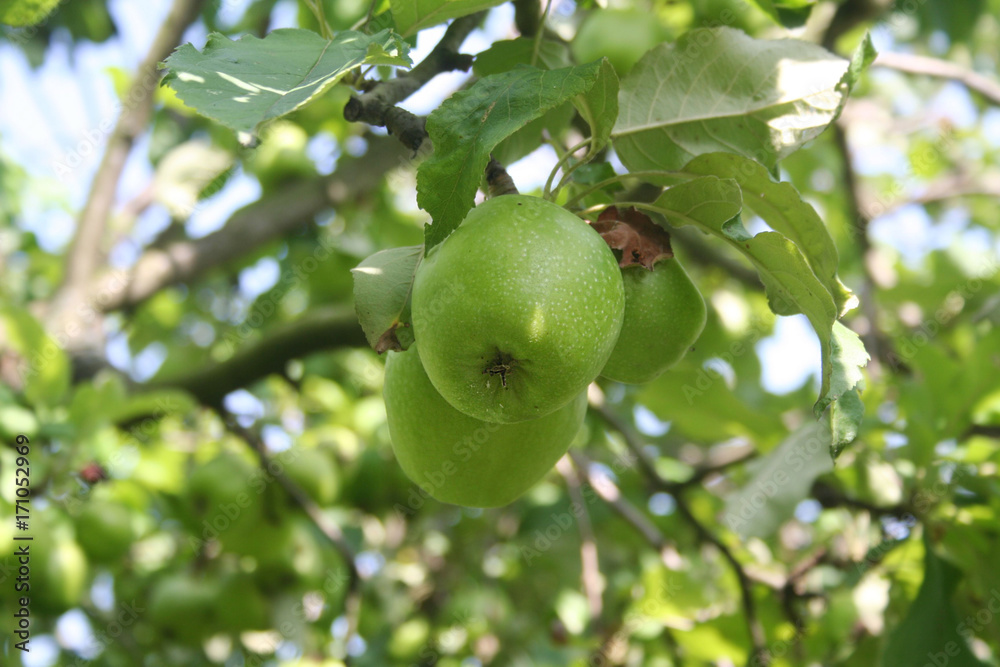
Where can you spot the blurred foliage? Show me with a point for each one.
(159, 539)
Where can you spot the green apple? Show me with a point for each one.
(518, 310)
(622, 35)
(183, 606)
(221, 495)
(462, 460)
(664, 315)
(281, 156)
(58, 571)
(105, 530)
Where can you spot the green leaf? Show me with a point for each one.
(932, 633)
(781, 206)
(599, 106)
(507, 54)
(720, 90)
(862, 57)
(780, 481)
(504, 56)
(470, 124)
(413, 16)
(790, 283)
(38, 360)
(22, 13)
(696, 400)
(847, 357)
(244, 83)
(845, 419)
(382, 284)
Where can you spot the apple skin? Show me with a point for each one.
(664, 315)
(518, 310)
(459, 459)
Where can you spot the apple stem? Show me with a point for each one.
(498, 180)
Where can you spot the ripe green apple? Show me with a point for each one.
(518, 310)
(462, 460)
(664, 315)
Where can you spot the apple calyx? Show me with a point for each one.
(641, 240)
(501, 364)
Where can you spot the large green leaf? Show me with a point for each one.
(246, 82)
(709, 203)
(504, 56)
(470, 124)
(717, 89)
(382, 284)
(413, 16)
(37, 360)
(781, 206)
(932, 633)
(780, 481)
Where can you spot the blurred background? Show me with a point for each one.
(244, 334)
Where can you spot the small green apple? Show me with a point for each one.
(462, 460)
(105, 531)
(517, 311)
(221, 494)
(664, 315)
(59, 571)
(183, 606)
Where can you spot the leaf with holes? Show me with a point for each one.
(247, 82)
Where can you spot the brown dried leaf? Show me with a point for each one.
(640, 239)
(388, 341)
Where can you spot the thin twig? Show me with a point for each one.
(330, 530)
(611, 494)
(84, 255)
(377, 106)
(637, 447)
(590, 571)
(760, 654)
(914, 64)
